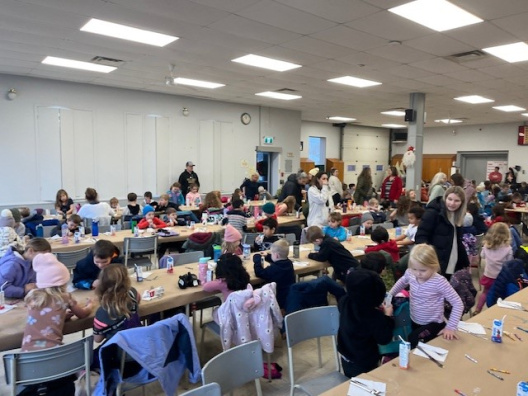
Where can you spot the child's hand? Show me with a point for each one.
(449, 334)
(388, 309)
(95, 283)
(28, 287)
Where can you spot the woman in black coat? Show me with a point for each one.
(441, 227)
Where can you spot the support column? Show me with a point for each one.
(415, 138)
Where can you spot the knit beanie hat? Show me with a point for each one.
(16, 215)
(50, 271)
(147, 209)
(366, 217)
(232, 234)
(6, 219)
(268, 208)
(313, 171)
(468, 220)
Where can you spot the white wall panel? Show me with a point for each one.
(48, 154)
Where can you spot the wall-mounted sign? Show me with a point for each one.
(268, 139)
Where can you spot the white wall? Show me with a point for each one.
(153, 116)
(492, 137)
(324, 130)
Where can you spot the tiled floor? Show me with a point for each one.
(305, 360)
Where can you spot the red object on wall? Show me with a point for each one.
(522, 136)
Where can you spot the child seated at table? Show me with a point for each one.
(193, 197)
(176, 195)
(147, 198)
(48, 308)
(87, 270)
(74, 222)
(332, 251)
(16, 273)
(114, 204)
(268, 237)
(8, 236)
(19, 227)
(149, 220)
(236, 216)
(279, 271)
(164, 204)
(399, 215)
(133, 208)
(171, 217)
(268, 210)
(263, 194)
(334, 228)
(232, 240)
(231, 275)
(367, 221)
(362, 324)
(414, 217)
(381, 237)
(64, 205)
(285, 207)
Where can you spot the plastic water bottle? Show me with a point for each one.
(133, 224)
(40, 231)
(95, 227)
(202, 269)
(362, 230)
(398, 231)
(82, 231)
(246, 251)
(204, 219)
(64, 233)
(349, 235)
(139, 274)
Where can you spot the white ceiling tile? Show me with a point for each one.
(469, 75)
(481, 35)
(437, 79)
(227, 5)
(350, 38)
(406, 71)
(275, 14)
(491, 9)
(504, 70)
(317, 47)
(514, 24)
(438, 65)
(400, 53)
(371, 61)
(439, 45)
(340, 11)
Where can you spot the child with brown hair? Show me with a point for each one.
(64, 204)
(132, 208)
(285, 207)
(87, 270)
(334, 228)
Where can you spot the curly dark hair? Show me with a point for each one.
(231, 269)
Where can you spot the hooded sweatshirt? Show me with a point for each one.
(17, 272)
(203, 241)
(390, 247)
(495, 258)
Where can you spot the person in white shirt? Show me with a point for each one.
(94, 209)
(335, 185)
(318, 196)
(414, 216)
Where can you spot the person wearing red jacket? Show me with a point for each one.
(392, 186)
(381, 237)
(149, 220)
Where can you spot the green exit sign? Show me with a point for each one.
(268, 140)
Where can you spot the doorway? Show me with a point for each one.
(267, 166)
(473, 164)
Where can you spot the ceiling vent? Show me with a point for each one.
(286, 90)
(467, 56)
(102, 60)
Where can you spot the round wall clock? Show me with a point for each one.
(245, 118)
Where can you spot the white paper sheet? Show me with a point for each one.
(437, 353)
(301, 249)
(357, 252)
(354, 390)
(473, 328)
(7, 308)
(301, 263)
(510, 304)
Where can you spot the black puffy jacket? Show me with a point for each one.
(435, 229)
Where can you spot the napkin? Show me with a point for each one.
(363, 237)
(473, 328)
(354, 390)
(146, 274)
(301, 263)
(7, 308)
(510, 304)
(55, 237)
(357, 252)
(438, 353)
(301, 249)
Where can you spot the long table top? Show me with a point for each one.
(184, 232)
(424, 378)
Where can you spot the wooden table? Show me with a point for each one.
(184, 232)
(425, 378)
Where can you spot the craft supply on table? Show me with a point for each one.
(470, 358)
(511, 305)
(363, 387)
(495, 375)
(436, 354)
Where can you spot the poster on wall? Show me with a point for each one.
(490, 169)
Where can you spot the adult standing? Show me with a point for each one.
(495, 177)
(441, 227)
(436, 187)
(511, 179)
(335, 185)
(391, 188)
(294, 186)
(250, 186)
(318, 196)
(364, 186)
(188, 177)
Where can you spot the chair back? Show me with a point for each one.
(28, 368)
(311, 323)
(353, 229)
(70, 259)
(181, 258)
(249, 238)
(143, 245)
(212, 389)
(291, 238)
(245, 360)
(388, 225)
(355, 221)
(48, 230)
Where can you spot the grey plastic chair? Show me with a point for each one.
(70, 259)
(187, 258)
(48, 230)
(212, 389)
(235, 367)
(388, 225)
(290, 238)
(249, 238)
(355, 221)
(353, 229)
(140, 246)
(308, 324)
(28, 368)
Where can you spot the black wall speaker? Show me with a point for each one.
(410, 115)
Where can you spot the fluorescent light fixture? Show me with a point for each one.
(509, 108)
(354, 81)
(197, 83)
(449, 121)
(393, 126)
(127, 33)
(474, 99)
(266, 63)
(338, 118)
(278, 95)
(439, 15)
(516, 52)
(51, 60)
(525, 114)
(395, 113)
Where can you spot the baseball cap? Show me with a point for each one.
(189, 163)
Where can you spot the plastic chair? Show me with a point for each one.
(291, 238)
(70, 259)
(48, 229)
(212, 389)
(356, 220)
(249, 238)
(235, 367)
(144, 245)
(353, 229)
(308, 324)
(28, 368)
(388, 225)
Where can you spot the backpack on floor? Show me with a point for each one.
(402, 326)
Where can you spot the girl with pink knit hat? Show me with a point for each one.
(232, 239)
(48, 304)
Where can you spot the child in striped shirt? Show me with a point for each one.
(428, 290)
